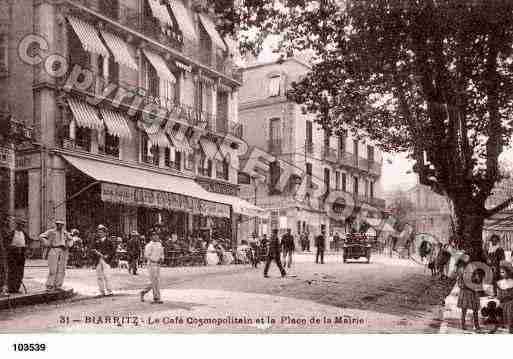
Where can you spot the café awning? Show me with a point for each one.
(241, 206)
(160, 66)
(159, 139)
(116, 123)
(132, 177)
(85, 115)
(119, 49)
(160, 12)
(183, 19)
(210, 28)
(88, 36)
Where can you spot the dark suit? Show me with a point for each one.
(274, 254)
(320, 243)
(15, 263)
(134, 252)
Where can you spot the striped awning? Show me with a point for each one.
(116, 123)
(160, 12)
(156, 136)
(211, 150)
(85, 115)
(159, 64)
(184, 19)
(88, 36)
(210, 28)
(180, 140)
(120, 50)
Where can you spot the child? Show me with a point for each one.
(505, 293)
(154, 253)
(468, 297)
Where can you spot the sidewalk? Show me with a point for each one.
(451, 320)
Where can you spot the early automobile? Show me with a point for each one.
(356, 246)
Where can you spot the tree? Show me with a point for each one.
(433, 78)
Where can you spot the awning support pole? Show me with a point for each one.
(75, 195)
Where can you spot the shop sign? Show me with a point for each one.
(157, 199)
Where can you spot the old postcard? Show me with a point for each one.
(266, 166)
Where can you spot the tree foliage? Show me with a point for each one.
(431, 77)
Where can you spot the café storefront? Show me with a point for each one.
(128, 198)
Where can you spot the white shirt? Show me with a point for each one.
(18, 239)
(154, 251)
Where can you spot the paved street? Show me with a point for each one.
(388, 295)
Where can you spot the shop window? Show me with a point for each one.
(111, 145)
(83, 138)
(21, 194)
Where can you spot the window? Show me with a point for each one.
(21, 192)
(327, 179)
(83, 138)
(222, 170)
(274, 172)
(355, 185)
(355, 148)
(309, 175)
(149, 153)
(366, 188)
(274, 86)
(275, 135)
(370, 153)
(371, 189)
(309, 136)
(189, 162)
(337, 180)
(152, 80)
(226, 170)
(111, 145)
(344, 182)
(77, 54)
(113, 70)
(167, 157)
(167, 92)
(342, 142)
(178, 160)
(4, 47)
(205, 167)
(198, 98)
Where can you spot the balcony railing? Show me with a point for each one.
(373, 201)
(330, 154)
(150, 27)
(275, 146)
(369, 165)
(347, 159)
(76, 144)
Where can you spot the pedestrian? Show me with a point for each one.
(133, 252)
(154, 254)
(273, 253)
(320, 243)
(103, 250)
(307, 241)
(58, 241)
(288, 247)
(468, 297)
(253, 245)
(505, 293)
(16, 251)
(494, 257)
(336, 240)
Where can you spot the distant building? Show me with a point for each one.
(338, 162)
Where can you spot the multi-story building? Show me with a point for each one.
(338, 163)
(134, 105)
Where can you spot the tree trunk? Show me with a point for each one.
(469, 223)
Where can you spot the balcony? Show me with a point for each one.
(347, 159)
(133, 19)
(370, 166)
(274, 146)
(330, 154)
(373, 201)
(76, 144)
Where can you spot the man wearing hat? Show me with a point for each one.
(16, 247)
(154, 254)
(134, 252)
(103, 251)
(58, 241)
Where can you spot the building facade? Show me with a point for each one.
(318, 160)
(134, 105)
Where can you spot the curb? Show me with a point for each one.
(10, 302)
